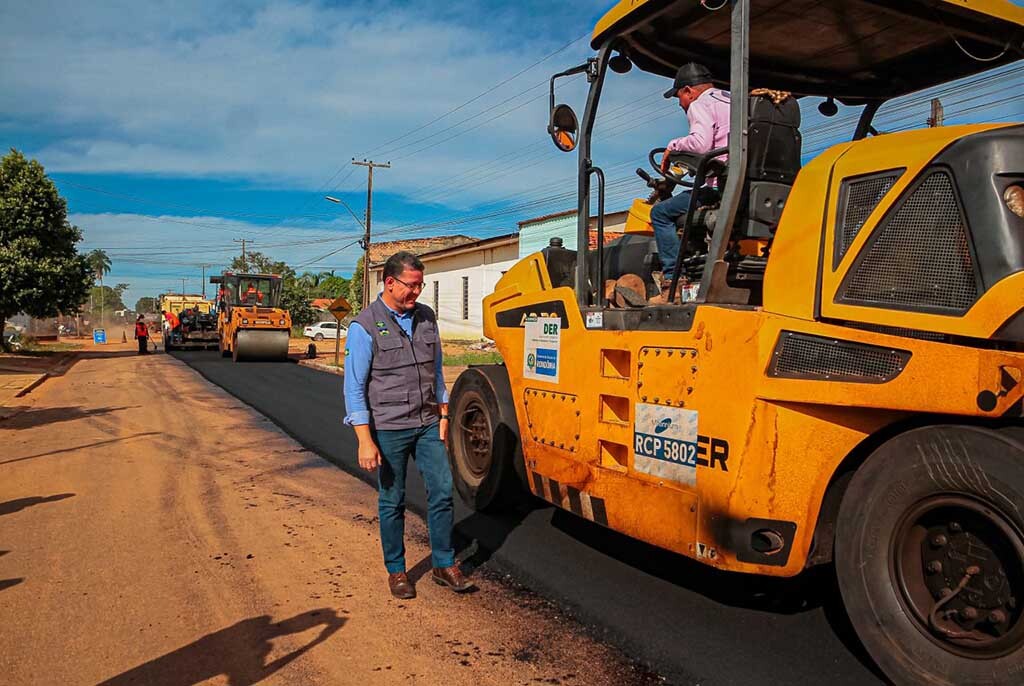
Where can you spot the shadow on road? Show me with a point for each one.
(238, 652)
(29, 417)
(480, 535)
(12, 506)
(82, 447)
(811, 589)
(7, 583)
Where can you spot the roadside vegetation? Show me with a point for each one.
(41, 272)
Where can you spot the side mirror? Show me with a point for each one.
(563, 128)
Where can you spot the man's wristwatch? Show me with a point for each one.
(444, 416)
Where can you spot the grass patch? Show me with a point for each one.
(475, 357)
(33, 349)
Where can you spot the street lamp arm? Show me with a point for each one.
(342, 202)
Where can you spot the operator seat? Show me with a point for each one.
(561, 263)
(773, 162)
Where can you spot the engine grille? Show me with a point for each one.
(858, 198)
(803, 356)
(920, 258)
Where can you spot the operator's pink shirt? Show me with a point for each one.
(709, 123)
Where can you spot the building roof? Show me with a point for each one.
(473, 244)
(320, 303)
(379, 252)
(546, 217)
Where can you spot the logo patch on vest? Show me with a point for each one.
(382, 328)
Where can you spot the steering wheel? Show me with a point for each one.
(687, 161)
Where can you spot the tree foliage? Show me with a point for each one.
(355, 287)
(41, 272)
(294, 299)
(295, 290)
(99, 262)
(104, 299)
(147, 305)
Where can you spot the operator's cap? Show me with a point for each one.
(690, 74)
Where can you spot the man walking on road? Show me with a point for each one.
(142, 335)
(398, 405)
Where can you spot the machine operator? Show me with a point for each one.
(707, 110)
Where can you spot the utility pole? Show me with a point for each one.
(242, 241)
(365, 243)
(938, 114)
(203, 267)
(183, 280)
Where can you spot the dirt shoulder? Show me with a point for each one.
(158, 536)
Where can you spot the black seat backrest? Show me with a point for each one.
(561, 264)
(773, 149)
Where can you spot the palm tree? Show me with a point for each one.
(99, 261)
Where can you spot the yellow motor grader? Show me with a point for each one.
(843, 382)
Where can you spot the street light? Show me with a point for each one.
(364, 244)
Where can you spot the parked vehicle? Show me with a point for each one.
(322, 330)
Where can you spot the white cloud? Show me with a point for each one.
(282, 92)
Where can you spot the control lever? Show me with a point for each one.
(661, 189)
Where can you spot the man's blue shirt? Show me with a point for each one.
(359, 355)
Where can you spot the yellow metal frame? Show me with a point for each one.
(998, 9)
(784, 438)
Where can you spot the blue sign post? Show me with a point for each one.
(99, 336)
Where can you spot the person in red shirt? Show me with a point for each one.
(142, 335)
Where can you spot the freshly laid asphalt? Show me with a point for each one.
(688, 623)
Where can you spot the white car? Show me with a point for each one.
(319, 332)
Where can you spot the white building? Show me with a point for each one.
(456, 280)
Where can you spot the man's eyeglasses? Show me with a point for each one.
(410, 286)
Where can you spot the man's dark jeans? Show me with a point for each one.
(424, 445)
(663, 219)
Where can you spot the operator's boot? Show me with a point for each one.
(662, 298)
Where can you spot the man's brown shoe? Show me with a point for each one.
(400, 586)
(452, 578)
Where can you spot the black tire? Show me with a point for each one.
(319, 337)
(485, 453)
(927, 507)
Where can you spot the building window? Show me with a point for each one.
(435, 298)
(465, 297)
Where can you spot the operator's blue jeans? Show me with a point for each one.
(424, 445)
(663, 219)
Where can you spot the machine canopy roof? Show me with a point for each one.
(855, 50)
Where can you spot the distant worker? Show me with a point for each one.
(707, 110)
(393, 350)
(142, 335)
(172, 324)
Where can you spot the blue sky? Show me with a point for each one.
(174, 128)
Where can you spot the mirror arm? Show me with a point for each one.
(589, 67)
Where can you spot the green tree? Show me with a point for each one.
(258, 263)
(104, 299)
(293, 299)
(333, 286)
(41, 272)
(355, 287)
(99, 261)
(146, 305)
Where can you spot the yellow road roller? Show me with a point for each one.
(838, 378)
(251, 324)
